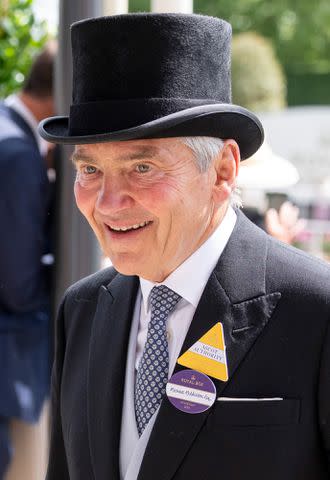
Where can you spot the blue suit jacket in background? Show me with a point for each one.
(24, 283)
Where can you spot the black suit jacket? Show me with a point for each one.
(273, 302)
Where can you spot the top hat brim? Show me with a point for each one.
(216, 120)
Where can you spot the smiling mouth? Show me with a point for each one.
(136, 226)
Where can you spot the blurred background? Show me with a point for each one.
(280, 70)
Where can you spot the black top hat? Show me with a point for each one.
(150, 76)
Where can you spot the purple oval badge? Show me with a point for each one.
(191, 391)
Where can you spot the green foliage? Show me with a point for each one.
(308, 89)
(21, 37)
(258, 81)
(139, 5)
(299, 29)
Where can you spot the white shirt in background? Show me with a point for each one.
(14, 102)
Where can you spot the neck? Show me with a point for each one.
(39, 107)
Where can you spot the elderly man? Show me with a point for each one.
(204, 352)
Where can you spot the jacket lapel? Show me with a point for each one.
(106, 376)
(235, 296)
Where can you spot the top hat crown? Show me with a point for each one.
(151, 76)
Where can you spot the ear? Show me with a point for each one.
(226, 166)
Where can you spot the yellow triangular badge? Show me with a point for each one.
(208, 355)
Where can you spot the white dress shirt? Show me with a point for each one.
(14, 102)
(189, 281)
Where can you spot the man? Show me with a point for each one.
(236, 320)
(25, 238)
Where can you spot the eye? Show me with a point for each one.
(89, 169)
(142, 168)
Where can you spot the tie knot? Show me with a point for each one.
(163, 300)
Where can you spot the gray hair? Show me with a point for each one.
(205, 149)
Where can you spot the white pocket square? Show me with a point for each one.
(237, 399)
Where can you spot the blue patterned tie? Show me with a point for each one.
(152, 373)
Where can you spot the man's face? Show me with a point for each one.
(147, 202)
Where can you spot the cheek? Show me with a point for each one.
(155, 198)
(197, 205)
(85, 199)
(173, 200)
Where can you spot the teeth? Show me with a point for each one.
(133, 227)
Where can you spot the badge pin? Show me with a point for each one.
(191, 391)
(208, 354)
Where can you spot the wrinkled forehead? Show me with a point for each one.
(132, 149)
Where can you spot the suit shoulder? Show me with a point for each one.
(298, 257)
(297, 268)
(16, 147)
(87, 288)
(8, 128)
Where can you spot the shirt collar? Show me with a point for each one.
(198, 267)
(14, 102)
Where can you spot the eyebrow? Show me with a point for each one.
(144, 152)
(80, 157)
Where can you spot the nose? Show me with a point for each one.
(114, 195)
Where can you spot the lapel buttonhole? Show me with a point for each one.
(242, 329)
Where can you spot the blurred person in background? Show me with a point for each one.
(267, 172)
(25, 242)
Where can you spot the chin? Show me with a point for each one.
(125, 265)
